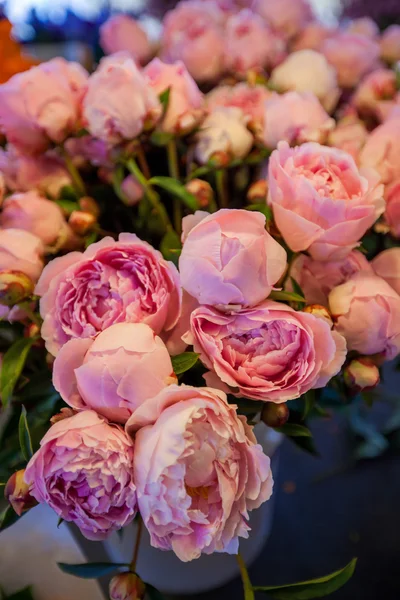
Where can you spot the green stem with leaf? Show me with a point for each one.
(247, 587)
(173, 166)
(73, 171)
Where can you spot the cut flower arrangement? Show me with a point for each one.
(191, 243)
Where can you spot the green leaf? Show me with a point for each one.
(176, 189)
(91, 239)
(153, 593)
(286, 297)
(296, 287)
(164, 98)
(13, 363)
(7, 518)
(68, 206)
(161, 138)
(309, 402)
(183, 362)
(24, 436)
(25, 594)
(314, 588)
(262, 208)
(294, 430)
(171, 246)
(67, 193)
(60, 522)
(90, 570)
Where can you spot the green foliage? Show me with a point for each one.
(177, 190)
(294, 430)
(183, 362)
(282, 296)
(171, 246)
(13, 363)
(25, 440)
(91, 570)
(7, 518)
(262, 208)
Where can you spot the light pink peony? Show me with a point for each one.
(349, 135)
(311, 37)
(185, 104)
(173, 338)
(22, 172)
(111, 282)
(250, 44)
(308, 71)
(392, 210)
(352, 55)
(321, 202)
(229, 258)
(317, 278)
(364, 26)
(114, 373)
(375, 94)
(288, 17)
(198, 471)
(118, 102)
(84, 472)
(132, 190)
(122, 33)
(250, 99)
(42, 105)
(387, 266)
(390, 44)
(382, 150)
(367, 312)
(193, 32)
(32, 212)
(223, 132)
(21, 251)
(295, 118)
(269, 352)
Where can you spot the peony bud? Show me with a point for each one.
(258, 191)
(275, 415)
(15, 286)
(220, 159)
(81, 222)
(319, 311)
(89, 205)
(17, 494)
(202, 190)
(127, 586)
(361, 374)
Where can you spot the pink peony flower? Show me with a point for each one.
(198, 471)
(121, 33)
(375, 94)
(21, 251)
(42, 105)
(229, 258)
(269, 352)
(2, 185)
(390, 44)
(352, 55)
(295, 118)
(111, 282)
(382, 149)
(250, 45)
(224, 132)
(36, 214)
(311, 37)
(321, 202)
(114, 373)
(173, 338)
(118, 102)
(287, 17)
(317, 278)
(364, 26)
(392, 211)
(89, 149)
(185, 104)
(193, 33)
(132, 190)
(367, 312)
(387, 266)
(84, 472)
(308, 71)
(250, 100)
(349, 135)
(22, 172)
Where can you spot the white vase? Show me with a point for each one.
(167, 573)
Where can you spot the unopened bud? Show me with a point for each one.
(361, 374)
(202, 190)
(31, 330)
(275, 415)
(220, 159)
(127, 586)
(65, 413)
(89, 205)
(17, 493)
(258, 192)
(15, 287)
(320, 311)
(81, 222)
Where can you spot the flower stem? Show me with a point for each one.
(74, 173)
(25, 306)
(173, 167)
(143, 162)
(132, 566)
(222, 187)
(150, 193)
(247, 587)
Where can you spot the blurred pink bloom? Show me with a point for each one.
(311, 37)
(349, 135)
(382, 150)
(364, 26)
(375, 95)
(387, 266)
(392, 211)
(132, 190)
(390, 44)
(22, 251)
(287, 17)
(122, 33)
(352, 55)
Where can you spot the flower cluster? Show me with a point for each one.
(262, 267)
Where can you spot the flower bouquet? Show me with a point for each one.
(190, 245)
